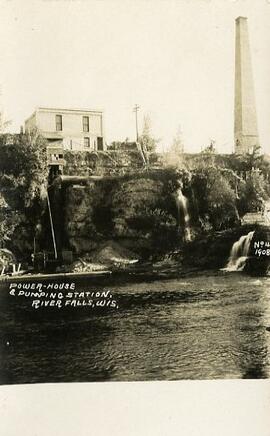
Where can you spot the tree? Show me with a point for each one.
(3, 122)
(254, 159)
(221, 200)
(215, 198)
(146, 140)
(253, 192)
(211, 148)
(174, 156)
(23, 167)
(23, 186)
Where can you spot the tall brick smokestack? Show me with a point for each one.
(245, 119)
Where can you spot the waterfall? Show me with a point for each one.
(239, 253)
(182, 205)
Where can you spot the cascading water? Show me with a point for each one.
(239, 253)
(182, 205)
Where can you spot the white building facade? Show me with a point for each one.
(72, 129)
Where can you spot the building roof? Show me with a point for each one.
(64, 110)
(50, 109)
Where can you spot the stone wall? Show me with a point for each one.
(115, 162)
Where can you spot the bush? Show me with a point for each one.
(23, 185)
(252, 193)
(215, 197)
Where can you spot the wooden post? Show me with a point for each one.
(52, 228)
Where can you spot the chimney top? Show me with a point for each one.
(240, 18)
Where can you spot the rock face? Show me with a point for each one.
(258, 262)
(109, 256)
(138, 210)
(144, 214)
(78, 223)
(213, 251)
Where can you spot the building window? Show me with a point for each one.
(86, 142)
(58, 122)
(86, 124)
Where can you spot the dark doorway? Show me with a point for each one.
(100, 143)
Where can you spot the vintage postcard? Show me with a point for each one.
(134, 191)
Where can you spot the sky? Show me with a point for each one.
(174, 58)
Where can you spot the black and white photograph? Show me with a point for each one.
(134, 191)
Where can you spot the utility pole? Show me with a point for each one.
(135, 109)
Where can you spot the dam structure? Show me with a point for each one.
(245, 118)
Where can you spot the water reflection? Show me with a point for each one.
(206, 327)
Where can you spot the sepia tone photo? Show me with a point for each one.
(134, 191)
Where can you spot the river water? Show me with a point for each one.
(207, 326)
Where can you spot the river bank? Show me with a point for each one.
(206, 253)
